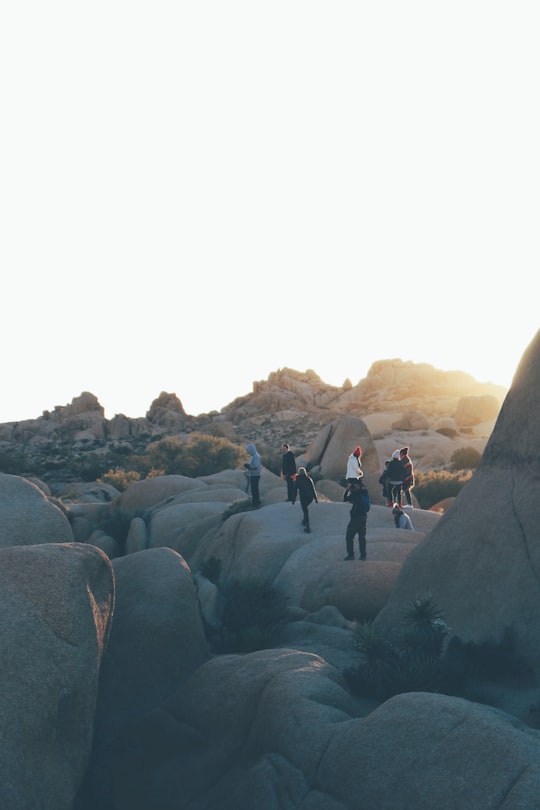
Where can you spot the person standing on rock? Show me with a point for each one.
(288, 469)
(354, 465)
(396, 472)
(383, 481)
(304, 489)
(357, 494)
(408, 475)
(253, 470)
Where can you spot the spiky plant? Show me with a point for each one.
(424, 629)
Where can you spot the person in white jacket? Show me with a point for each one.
(354, 465)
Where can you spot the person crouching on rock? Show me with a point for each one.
(304, 489)
(401, 520)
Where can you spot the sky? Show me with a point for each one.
(194, 195)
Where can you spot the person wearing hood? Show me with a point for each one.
(253, 471)
(304, 489)
(396, 471)
(402, 520)
(354, 465)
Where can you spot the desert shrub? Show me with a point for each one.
(120, 479)
(449, 432)
(211, 569)
(466, 458)
(200, 454)
(253, 614)
(236, 507)
(410, 662)
(432, 487)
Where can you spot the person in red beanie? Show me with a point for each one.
(354, 465)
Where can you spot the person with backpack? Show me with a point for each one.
(304, 488)
(396, 471)
(357, 494)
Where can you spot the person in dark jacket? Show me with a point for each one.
(304, 488)
(253, 471)
(396, 472)
(383, 481)
(357, 494)
(288, 469)
(408, 475)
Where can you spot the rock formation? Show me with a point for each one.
(179, 723)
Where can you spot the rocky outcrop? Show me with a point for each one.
(482, 561)
(57, 605)
(63, 442)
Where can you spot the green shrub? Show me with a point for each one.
(432, 487)
(252, 616)
(466, 458)
(199, 454)
(120, 479)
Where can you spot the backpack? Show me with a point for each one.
(365, 501)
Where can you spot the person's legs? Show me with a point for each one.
(255, 497)
(362, 523)
(396, 493)
(304, 506)
(349, 537)
(290, 488)
(408, 496)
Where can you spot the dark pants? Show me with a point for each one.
(290, 487)
(254, 487)
(395, 492)
(357, 525)
(304, 504)
(407, 493)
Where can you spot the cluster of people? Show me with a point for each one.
(397, 481)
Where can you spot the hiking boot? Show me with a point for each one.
(349, 557)
(307, 530)
(363, 557)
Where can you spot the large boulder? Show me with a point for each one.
(57, 602)
(157, 640)
(27, 516)
(482, 560)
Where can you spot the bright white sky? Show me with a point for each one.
(196, 194)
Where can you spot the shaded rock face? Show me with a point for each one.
(482, 560)
(57, 603)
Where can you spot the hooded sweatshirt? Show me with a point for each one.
(254, 465)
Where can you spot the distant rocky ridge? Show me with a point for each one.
(395, 395)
